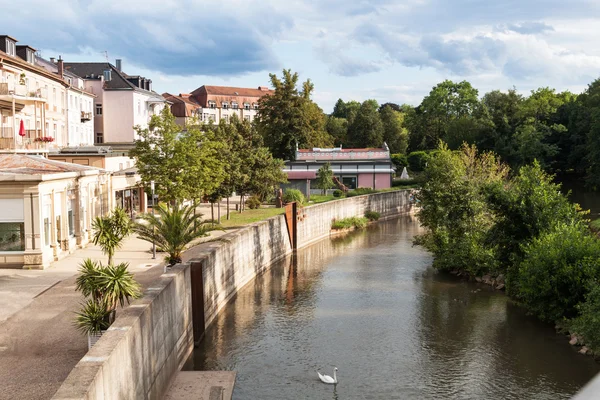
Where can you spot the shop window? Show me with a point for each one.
(12, 236)
(71, 212)
(349, 181)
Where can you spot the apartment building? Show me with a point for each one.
(121, 101)
(214, 103)
(32, 101)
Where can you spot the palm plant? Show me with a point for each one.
(110, 231)
(173, 229)
(92, 318)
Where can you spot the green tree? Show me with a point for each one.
(173, 228)
(325, 178)
(395, 133)
(110, 231)
(337, 128)
(288, 117)
(184, 165)
(367, 129)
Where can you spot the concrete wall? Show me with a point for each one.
(150, 340)
(142, 350)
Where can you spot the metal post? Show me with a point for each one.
(153, 242)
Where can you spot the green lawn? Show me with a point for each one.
(249, 216)
(319, 198)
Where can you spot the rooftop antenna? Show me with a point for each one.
(105, 54)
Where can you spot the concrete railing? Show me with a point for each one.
(591, 391)
(150, 340)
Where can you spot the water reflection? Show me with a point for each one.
(370, 304)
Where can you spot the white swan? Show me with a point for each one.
(327, 378)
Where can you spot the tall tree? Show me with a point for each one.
(325, 178)
(288, 117)
(184, 165)
(367, 129)
(337, 128)
(394, 132)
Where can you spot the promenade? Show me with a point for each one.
(39, 344)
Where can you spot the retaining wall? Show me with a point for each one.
(150, 340)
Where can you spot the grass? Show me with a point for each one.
(346, 223)
(319, 198)
(249, 216)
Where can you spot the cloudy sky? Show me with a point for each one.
(354, 49)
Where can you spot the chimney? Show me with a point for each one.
(53, 60)
(61, 68)
(118, 64)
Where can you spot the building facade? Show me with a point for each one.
(121, 101)
(211, 104)
(364, 168)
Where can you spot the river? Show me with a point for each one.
(370, 304)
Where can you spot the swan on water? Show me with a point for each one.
(327, 378)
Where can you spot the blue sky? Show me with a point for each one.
(388, 50)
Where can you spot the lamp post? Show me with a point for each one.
(153, 242)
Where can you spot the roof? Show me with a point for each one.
(35, 68)
(53, 68)
(338, 154)
(22, 164)
(233, 91)
(181, 99)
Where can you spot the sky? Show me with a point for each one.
(392, 51)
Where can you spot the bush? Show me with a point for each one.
(347, 223)
(555, 272)
(588, 322)
(372, 215)
(360, 192)
(400, 161)
(405, 182)
(291, 195)
(338, 193)
(417, 160)
(253, 202)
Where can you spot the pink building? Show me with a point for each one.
(366, 168)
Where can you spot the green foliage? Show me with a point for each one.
(417, 160)
(588, 322)
(395, 133)
(253, 202)
(110, 230)
(360, 192)
(406, 183)
(338, 193)
(352, 222)
(367, 129)
(288, 117)
(325, 178)
(291, 195)
(184, 165)
(372, 215)
(93, 317)
(557, 266)
(337, 128)
(173, 229)
(400, 161)
(455, 211)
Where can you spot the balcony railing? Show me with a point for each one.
(86, 116)
(7, 140)
(21, 90)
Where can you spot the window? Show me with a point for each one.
(226, 118)
(349, 181)
(212, 104)
(99, 138)
(234, 105)
(246, 118)
(71, 212)
(12, 236)
(47, 213)
(98, 109)
(256, 106)
(139, 108)
(246, 106)
(225, 105)
(10, 47)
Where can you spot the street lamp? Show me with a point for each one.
(153, 241)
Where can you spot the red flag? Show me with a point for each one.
(22, 129)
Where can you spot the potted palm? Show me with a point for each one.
(110, 231)
(173, 229)
(105, 288)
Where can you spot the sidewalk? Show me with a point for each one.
(39, 344)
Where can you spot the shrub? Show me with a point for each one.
(588, 322)
(291, 195)
(360, 192)
(372, 215)
(346, 223)
(253, 202)
(555, 272)
(417, 160)
(399, 160)
(405, 182)
(338, 193)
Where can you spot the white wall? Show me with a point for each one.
(118, 115)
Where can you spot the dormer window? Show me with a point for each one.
(212, 104)
(246, 106)
(256, 106)
(234, 105)
(11, 47)
(225, 105)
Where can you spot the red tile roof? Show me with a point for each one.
(34, 165)
(236, 91)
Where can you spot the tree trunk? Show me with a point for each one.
(227, 208)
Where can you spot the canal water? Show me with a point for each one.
(371, 305)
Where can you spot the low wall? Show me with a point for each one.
(142, 350)
(150, 340)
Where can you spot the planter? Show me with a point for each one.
(93, 338)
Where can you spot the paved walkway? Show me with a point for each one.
(39, 344)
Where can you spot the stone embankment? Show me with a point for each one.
(150, 340)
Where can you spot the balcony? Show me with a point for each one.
(9, 142)
(21, 92)
(86, 116)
